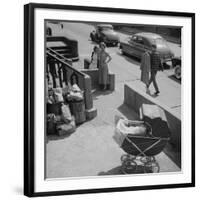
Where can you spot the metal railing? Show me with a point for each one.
(65, 70)
(65, 67)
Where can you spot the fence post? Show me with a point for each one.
(88, 92)
(90, 111)
(60, 74)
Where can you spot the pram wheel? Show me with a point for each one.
(129, 166)
(145, 159)
(151, 167)
(126, 157)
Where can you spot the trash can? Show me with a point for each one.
(78, 110)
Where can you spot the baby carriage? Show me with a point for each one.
(139, 143)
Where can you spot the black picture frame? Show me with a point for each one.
(29, 95)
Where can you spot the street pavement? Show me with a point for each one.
(91, 150)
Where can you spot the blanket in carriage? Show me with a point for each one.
(127, 127)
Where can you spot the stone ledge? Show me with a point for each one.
(93, 74)
(134, 98)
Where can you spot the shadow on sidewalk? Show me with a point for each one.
(57, 137)
(119, 171)
(99, 92)
(172, 77)
(173, 153)
(113, 171)
(152, 95)
(128, 112)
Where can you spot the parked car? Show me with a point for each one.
(138, 43)
(48, 31)
(176, 62)
(105, 33)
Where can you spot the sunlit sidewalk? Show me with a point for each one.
(91, 150)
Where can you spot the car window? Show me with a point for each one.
(147, 43)
(106, 28)
(160, 42)
(137, 39)
(134, 38)
(140, 40)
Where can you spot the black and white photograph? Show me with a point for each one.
(109, 99)
(100, 100)
(113, 99)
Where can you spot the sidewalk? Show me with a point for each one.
(170, 92)
(91, 150)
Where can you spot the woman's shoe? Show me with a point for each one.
(147, 89)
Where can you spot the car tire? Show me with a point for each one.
(177, 72)
(122, 52)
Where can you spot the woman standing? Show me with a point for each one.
(104, 59)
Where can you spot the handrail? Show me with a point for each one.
(63, 62)
(55, 52)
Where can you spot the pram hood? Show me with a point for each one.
(155, 116)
